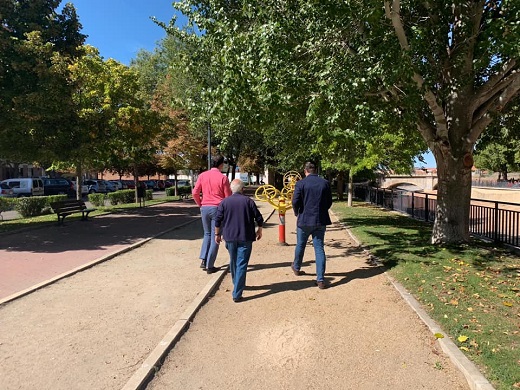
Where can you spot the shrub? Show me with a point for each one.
(97, 199)
(181, 191)
(56, 198)
(50, 199)
(121, 197)
(32, 207)
(149, 195)
(184, 191)
(7, 204)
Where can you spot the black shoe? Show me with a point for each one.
(237, 300)
(212, 270)
(203, 265)
(321, 285)
(296, 271)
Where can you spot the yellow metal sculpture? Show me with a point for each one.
(280, 200)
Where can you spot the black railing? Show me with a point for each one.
(498, 221)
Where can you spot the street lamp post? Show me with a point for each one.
(209, 146)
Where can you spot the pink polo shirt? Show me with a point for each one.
(214, 187)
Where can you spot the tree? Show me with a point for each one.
(499, 148)
(37, 45)
(437, 71)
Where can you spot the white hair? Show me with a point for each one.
(236, 185)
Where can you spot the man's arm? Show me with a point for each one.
(297, 199)
(218, 222)
(227, 187)
(196, 192)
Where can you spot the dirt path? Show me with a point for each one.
(94, 329)
(288, 334)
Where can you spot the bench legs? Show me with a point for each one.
(84, 216)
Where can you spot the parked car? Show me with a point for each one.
(150, 184)
(183, 183)
(111, 186)
(84, 187)
(6, 191)
(58, 186)
(96, 186)
(129, 184)
(161, 184)
(26, 186)
(120, 184)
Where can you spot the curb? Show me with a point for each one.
(474, 377)
(153, 362)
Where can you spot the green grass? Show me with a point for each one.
(470, 290)
(51, 219)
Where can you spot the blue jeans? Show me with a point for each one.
(239, 254)
(318, 235)
(209, 250)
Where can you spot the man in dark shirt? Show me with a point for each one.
(235, 220)
(311, 201)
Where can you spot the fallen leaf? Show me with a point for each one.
(439, 335)
(508, 304)
(462, 339)
(454, 302)
(464, 349)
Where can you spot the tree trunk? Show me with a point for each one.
(341, 184)
(79, 182)
(453, 199)
(350, 188)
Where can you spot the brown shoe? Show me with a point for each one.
(321, 285)
(296, 271)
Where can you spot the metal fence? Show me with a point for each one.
(497, 221)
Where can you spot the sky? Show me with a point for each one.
(120, 28)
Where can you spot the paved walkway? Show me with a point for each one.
(31, 257)
(358, 334)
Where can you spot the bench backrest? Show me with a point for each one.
(68, 205)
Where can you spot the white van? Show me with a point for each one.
(26, 186)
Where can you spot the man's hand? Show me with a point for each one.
(218, 239)
(259, 233)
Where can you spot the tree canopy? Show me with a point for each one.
(433, 74)
(37, 45)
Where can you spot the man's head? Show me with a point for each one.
(236, 185)
(217, 161)
(310, 167)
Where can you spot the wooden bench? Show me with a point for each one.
(70, 206)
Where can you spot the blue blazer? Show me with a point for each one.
(311, 201)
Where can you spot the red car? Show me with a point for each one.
(129, 184)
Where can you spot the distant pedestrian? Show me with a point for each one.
(236, 217)
(311, 201)
(214, 187)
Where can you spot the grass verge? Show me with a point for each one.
(472, 291)
(14, 225)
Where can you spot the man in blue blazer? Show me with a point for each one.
(312, 199)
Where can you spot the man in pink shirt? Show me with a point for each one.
(214, 187)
